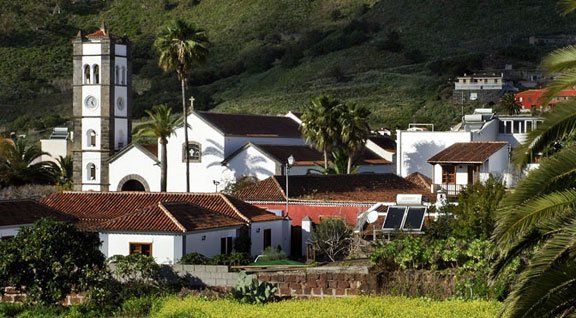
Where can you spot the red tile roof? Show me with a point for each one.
(19, 212)
(253, 125)
(354, 187)
(170, 217)
(153, 149)
(420, 179)
(96, 208)
(468, 152)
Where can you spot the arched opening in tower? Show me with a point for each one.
(133, 185)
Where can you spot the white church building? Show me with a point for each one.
(223, 147)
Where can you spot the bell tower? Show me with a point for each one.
(101, 105)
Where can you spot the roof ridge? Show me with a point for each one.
(225, 197)
(171, 216)
(282, 190)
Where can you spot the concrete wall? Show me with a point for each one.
(208, 242)
(280, 236)
(166, 248)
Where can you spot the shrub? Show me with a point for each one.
(331, 238)
(194, 259)
(49, 259)
(272, 254)
(233, 259)
(250, 290)
(135, 268)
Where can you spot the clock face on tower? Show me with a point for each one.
(120, 103)
(91, 102)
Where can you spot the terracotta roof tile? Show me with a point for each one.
(354, 187)
(93, 208)
(153, 149)
(468, 152)
(177, 217)
(420, 179)
(19, 212)
(253, 125)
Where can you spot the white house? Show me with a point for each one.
(170, 225)
(58, 144)
(466, 163)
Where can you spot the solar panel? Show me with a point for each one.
(394, 218)
(414, 219)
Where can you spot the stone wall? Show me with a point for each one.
(11, 295)
(206, 275)
(322, 282)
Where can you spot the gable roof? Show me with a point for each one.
(304, 155)
(94, 209)
(179, 217)
(149, 150)
(468, 152)
(252, 125)
(352, 187)
(20, 212)
(384, 142)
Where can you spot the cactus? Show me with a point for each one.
(250, 290)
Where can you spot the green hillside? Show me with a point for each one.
(396, 57)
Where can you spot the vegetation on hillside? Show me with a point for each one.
(268, 57)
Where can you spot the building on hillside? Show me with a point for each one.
(533, 99)
(314, 197)
(416, 147)
(15, 214)
(170, 225)
(481, 87)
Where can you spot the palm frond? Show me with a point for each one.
(558, 123)
(567, 6)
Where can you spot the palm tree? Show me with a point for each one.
(182, 46)
(354, 130)
(66, 169)
(20, 164)
(320, 124)
(161, 125)
(538, 220)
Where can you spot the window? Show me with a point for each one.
(96, 71)
(267, 238)
(226, 244)
(86, 74)
(117, 78)
(528, 126)
(448, 174)
(91, 171)
(141, 248)
(91, 138)
(123, 75)
(501, 127)
(508, 129)
(517, 127)
(194, 150)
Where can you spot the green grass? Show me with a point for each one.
(362, 307)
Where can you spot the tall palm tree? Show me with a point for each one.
(161, 125)
(66, 169)
(354, 130)
(538, 219)
(320, 124)
(20, 164)
(182, 46)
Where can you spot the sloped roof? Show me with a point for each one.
(384, 142)
(420, 179)
(19, 212)
(252, 125)
(353, 187)
(149, 150)
(170, 217)
(93, 209)
(468, 152)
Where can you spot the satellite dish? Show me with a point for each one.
(372, 216)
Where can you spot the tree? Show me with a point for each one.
(331, 238)
(66, 169)
(509, 103)
(20, 164)
(49, 259)
(181, 47)
(537, 220)
(320, 124)
(161, 125)
(354, 127)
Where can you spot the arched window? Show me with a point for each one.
(96, 71)
(91, 171)
(117, 78)
(123, 75)
(91, 138)
(86, 74)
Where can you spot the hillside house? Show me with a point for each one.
(533, 99)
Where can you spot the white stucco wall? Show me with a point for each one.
(498, 163)
(280, 236)
(252, 162)
(91, 49)
(55, 148)
(388, 155)
(414, 148)
(135, 162)
(166, 248)
(210, 246)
